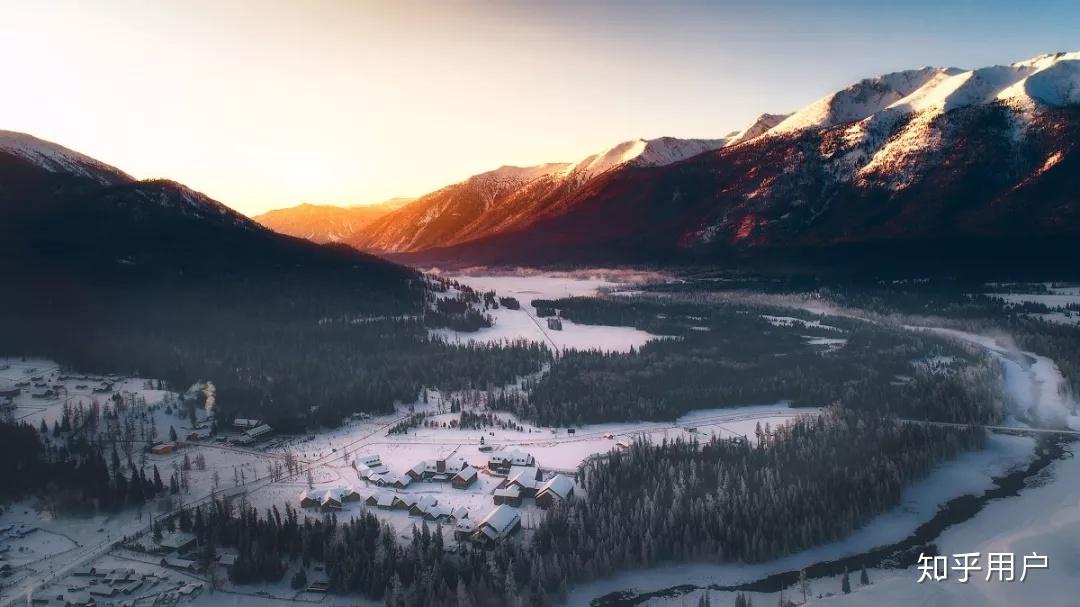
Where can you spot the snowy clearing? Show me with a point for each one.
(524, 324)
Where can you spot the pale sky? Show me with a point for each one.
(267, 104)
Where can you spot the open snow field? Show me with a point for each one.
(76, 389)
(524, 324)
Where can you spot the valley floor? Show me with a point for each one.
(1044, 518)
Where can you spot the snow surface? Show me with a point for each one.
(859, 100)
(1035, 388)
(1052, 80)
(761, 125)
(1045, 519)
(644, 152)
(35, 410)
(58, 159)
(524, 324)
(1051, 300)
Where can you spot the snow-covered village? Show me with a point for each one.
(531, 304)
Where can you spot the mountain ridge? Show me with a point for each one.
(933, 156)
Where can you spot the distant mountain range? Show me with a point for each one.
(932, 164)
(324, 223)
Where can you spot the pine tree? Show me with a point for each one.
(804, 585)
(864, 579)
(172, 434)
(845, 583)
(299, 580)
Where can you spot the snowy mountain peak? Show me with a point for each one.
(509, 173)
(58, 159)
(1047, 80)
(644, 153)
(761, 125)
(860, 100)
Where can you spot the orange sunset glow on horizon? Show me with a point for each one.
(268, 104)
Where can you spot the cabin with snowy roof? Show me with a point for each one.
(500, 462)
(464, 478)
(371, 463)
(241, 423)
(399, 481)
(457, 514)
(438, 513)
(437, 469)
(422, 505)
(558, 488)
(509, 496)
(497, 525)
(526, 478)
(464, 529)
(330, 501)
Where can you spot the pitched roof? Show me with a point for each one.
(437, 512)
(501, 519)
(510, 455)
(560, 485)
(466, 473)
(508, 491)
(523, 475)
(427, 501)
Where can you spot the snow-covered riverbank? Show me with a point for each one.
(1034, 385)
(971, 473)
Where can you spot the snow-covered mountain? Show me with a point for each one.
(859, 100)
(644, 153)
(758, 127)
(510, 198)
(56, 158)
(944, 160)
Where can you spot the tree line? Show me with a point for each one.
(809, 482)
(74, 475)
